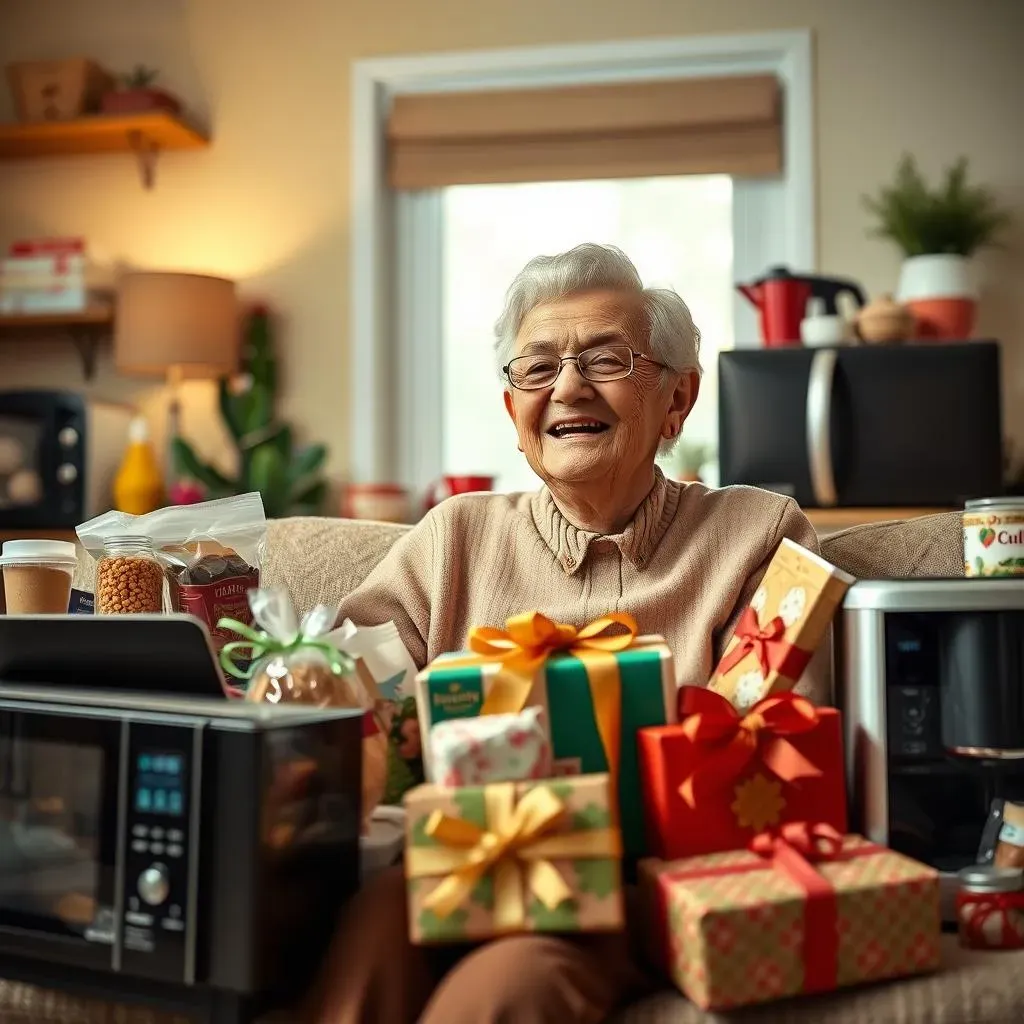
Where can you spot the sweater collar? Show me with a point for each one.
(569, 544)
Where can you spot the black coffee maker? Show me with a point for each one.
(930, 679)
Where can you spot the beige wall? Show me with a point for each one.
(269, 201)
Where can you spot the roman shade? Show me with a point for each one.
(727, 125)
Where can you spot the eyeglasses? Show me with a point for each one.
(609, 362)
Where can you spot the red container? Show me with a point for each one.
(781, 298)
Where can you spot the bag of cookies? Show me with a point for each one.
(210, 552)
(291, 661)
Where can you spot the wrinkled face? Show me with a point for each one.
(578, 430)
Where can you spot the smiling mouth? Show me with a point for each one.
(577, 428)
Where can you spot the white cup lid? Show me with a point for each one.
(30, 552)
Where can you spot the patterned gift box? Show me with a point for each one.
(596, 690)
(512, 857)
(717, 779)
(782, 626)
(805, 910)
(490, 748)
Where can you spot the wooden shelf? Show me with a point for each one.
(84, 329)
(144, 134)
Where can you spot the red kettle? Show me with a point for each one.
(781, 298)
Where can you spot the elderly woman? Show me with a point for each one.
(600, 375)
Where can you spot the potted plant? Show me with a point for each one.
(137, 94)
(938, 231)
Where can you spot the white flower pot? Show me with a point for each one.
(940, 276)
(941, 293)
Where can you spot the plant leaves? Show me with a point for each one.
(188, 464)
(306, 461)
(955, 217)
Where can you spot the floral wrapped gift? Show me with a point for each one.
(491, 748)
(512, 857)
(781, 628)
(804, 910)
(715, 780)
(597, 686)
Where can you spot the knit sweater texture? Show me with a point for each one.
(685, 567)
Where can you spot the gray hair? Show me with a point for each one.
(674, 338)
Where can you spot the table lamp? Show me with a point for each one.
(179, 327)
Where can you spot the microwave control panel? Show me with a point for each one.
(159, 864)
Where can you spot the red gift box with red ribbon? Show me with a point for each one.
(719, 777)
(804, 909)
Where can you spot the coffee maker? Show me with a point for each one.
(930, 680)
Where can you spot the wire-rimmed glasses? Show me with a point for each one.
(599, 365)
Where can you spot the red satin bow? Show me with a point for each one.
(763, 641)
(813, 841)
(988, 905)
(728, 743)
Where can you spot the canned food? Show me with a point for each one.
(994, 537)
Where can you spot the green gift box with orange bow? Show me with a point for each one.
(598, 685)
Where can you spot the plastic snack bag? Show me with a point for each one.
(211, 552)
(293, 661)
(381, 655)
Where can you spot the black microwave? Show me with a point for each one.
(914, 425)
(59, 455)
(180, 849)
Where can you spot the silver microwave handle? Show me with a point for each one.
(819, 420)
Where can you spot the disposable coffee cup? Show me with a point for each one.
(37, 576)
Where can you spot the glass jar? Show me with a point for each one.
(990, 907)
(130, 578)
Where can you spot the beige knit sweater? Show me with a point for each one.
(685, 567)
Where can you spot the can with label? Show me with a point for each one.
(994, 537)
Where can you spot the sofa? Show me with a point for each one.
(320, 560)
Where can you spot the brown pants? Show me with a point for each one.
(374, 975)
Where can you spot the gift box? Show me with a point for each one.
(491, 748)
(805, 910)
(538, 856)
(717, 779)
(780, 629)
(596, 689)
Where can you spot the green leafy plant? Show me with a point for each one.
(955, 217)
(289, 478)
(140, 77)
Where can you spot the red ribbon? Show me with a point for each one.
(768, 643)
(793, 849)
(985, 906)
(728, 742)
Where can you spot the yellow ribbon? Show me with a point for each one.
(527, 642)
(514, 846)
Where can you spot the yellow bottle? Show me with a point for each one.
(138, 486)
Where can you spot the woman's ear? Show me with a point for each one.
(684, 395)
(510, 405)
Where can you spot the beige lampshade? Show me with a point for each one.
(185, 324)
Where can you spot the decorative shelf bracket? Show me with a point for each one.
(87, 345)
(146, 152)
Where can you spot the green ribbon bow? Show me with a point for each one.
(260, 644)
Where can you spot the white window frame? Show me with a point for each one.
(396, 292)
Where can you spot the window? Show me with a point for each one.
(678, 231)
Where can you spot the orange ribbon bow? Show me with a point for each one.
(769, 645)
(526, 643)
(729, 742)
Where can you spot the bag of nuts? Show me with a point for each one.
(207, 556)
(282, 660)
